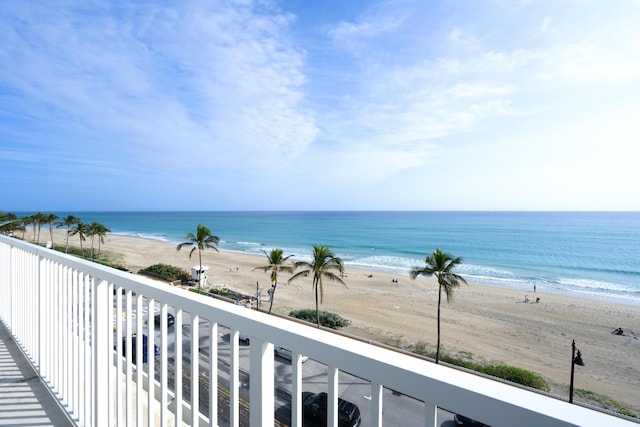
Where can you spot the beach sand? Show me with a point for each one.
(484, 323)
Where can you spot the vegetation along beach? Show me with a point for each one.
(529, 325)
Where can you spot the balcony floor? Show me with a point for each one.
(24, 399)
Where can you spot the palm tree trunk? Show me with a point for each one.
(317, 308)
(438, 345)
(200, 270)
(273, 294)
(66, 247)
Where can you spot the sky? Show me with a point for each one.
(319, 105)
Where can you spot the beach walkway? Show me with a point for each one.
(24, 399)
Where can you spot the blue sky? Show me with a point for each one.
(320, 105)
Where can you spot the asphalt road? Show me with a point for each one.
(398, 410)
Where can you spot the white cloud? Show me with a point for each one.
(167, 84)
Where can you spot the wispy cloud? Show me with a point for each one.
(165, 84)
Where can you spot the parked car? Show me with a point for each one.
(145, 348)
(314, 406)
(171, 320)
(286, 353)
(461, 420)
(244, 337)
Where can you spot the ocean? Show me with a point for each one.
(592, 255)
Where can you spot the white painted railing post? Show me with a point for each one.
(195, 370)
(151, 361)
(332, 396)
(430, 415)
(234, 381)
(213, 376)
(43, 309)
(101, 352)
(261, 383)
(178, 368)
(139, 369)
(164, 367)
(296, 390)
(376, 405)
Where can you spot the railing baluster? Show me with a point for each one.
(430, 415)
(101, 353)
(195, 371)
(178, 367)
(296, 390)
(43, 308)
(164, 390)
(128, 332)
(139, 369)
(81, 342)
(234, 382)
(151, 363)
(332, 396)
(213, 373)
(376, 405)
(119, 352)
(75, 331)
(68, 337)
(261, 388)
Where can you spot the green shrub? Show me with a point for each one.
(169, 272)
(516, 375)
(603, 401)
(327, 319)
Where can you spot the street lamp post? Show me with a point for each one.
(576, 359)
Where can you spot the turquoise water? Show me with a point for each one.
(586, 254)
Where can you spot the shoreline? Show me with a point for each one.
(488, 324)
(401, 271)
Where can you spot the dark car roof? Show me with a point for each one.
(343, 405)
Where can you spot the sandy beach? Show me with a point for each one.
(484, 323)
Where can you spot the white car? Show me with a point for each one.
(285, 353)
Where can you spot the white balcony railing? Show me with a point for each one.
(68, 315)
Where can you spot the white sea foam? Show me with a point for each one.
(160, 237)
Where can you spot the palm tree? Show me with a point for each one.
(441, 264)
(276, 264)
(38, 219)
(8, 222)
(68, 222)
(81, 229)
(323, 265)
(203, 239)
(100, 231)
(25, 221)
(51, 219)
